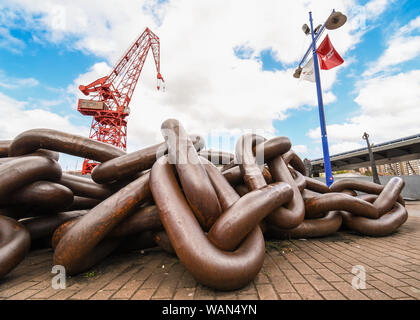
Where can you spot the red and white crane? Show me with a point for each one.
(110, 96)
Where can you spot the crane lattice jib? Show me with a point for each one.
(123, 79)
(110, 96)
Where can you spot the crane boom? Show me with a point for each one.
(110, 96)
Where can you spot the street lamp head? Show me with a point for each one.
(317, 29)
(365, 136)
(335, 21)
(297, 73)
(306, 29)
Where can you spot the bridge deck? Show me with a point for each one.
(404, 149)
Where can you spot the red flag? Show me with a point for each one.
(329, 56)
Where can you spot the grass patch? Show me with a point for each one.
(276, 245)
(90, 274)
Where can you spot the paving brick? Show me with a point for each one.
(42, 285)
(290, 296)
(266, 292)
(307, 292)
(411, 291)
(413, 282)
(284, 265)
(396, 261)
(84, 294)
(187, 280)
(311, 269)
(413, 274)
(348, 291)
(293, 258)
(328, 275)
(320, 258)
(303, 268)
(249, 289)
(167, 288)
(283, 286)
(226, 296)
(312, 263)
(248, 297)
(393, 273)
(63, 294)
(204, 293)
(143, 294)
(25, 294)
(387, 289)
(375, 294)
(16, 289)
(184, 294)
(272, 276)
(332, 295)
(318, 282)
(335, 268)
(45, 294)
(262, 277)
(127, 290)
(294, 276)
(387, 279)
(153, 281)
(118, 279)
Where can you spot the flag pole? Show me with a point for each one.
(327, 161)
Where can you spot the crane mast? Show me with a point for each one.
(110, 96)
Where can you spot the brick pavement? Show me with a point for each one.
(299, 269)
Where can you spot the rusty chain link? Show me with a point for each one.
(211, 208)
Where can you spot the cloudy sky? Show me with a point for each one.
(228, 66)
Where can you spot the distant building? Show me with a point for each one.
(405, 168)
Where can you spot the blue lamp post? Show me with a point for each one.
(334, 21)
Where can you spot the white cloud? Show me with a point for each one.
(208, 88)
(376, 7)
(401, 47)
(399, 50)
(345, 147)
(411, 26)
(9, 42)
(20, 119)
(301, 149)
(98, 70)
(389, 110)
(16, 83)
(45, 104)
